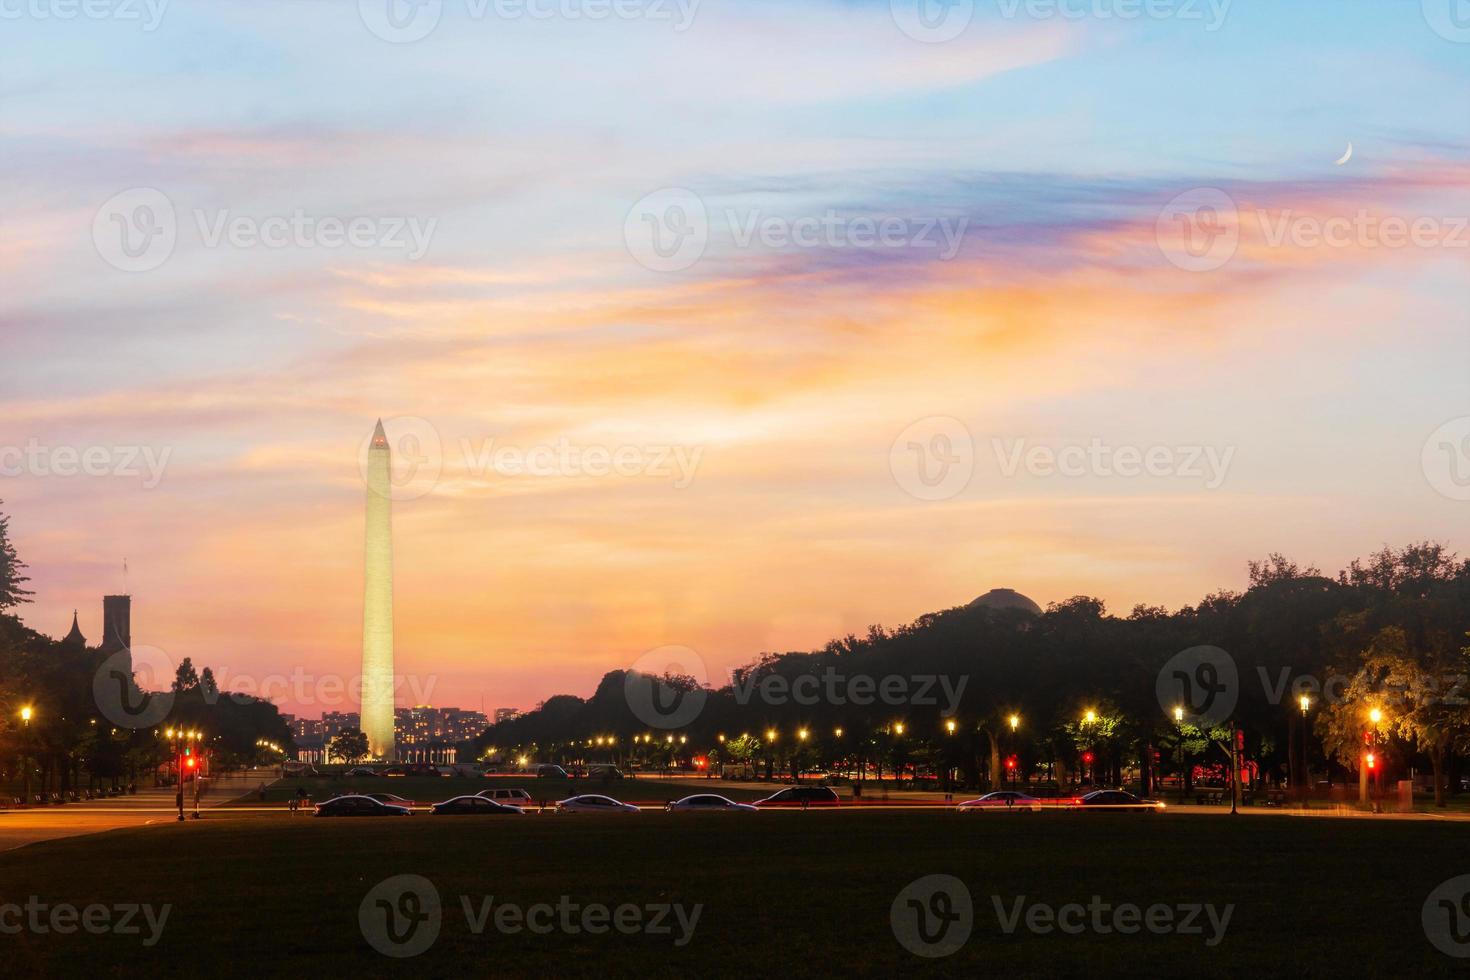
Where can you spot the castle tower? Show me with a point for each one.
(117, 623)
(377, 610)
(75, 637)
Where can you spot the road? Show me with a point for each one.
(148, 805)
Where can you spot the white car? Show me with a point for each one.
(514, 797)
(593, 803)
(709, 803)
(1005, 800)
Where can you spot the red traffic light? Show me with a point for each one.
(191, 762)
(1011, 762)
(1087, 758)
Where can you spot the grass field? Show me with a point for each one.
(791, 893)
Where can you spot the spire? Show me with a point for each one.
(380, 438)
(75, 636)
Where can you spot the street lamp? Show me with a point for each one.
(1088, 718)
(898, 728)
(26, 714)
(949, 726)
(1179, 724)
(801, 734)
(1015, 722)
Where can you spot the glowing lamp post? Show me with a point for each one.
(26, 714)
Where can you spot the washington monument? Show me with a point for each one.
(377, 606)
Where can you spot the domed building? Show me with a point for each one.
(1006, 599)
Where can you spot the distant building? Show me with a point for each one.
(429, 734)
(506, 714)
(117, 623)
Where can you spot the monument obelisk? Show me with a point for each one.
(377, 606)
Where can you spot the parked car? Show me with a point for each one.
(593, 803)
(708, 803)
(800, 796)
(514, 797)
(1002, 800)
(389, 799)
(360, 806)
(1116, 799)
(475, 806)
(604, 772)
(551, 772)
(361, 771)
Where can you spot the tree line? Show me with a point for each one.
(1076, 690)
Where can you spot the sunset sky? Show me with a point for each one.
(791, 377)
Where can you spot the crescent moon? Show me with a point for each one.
(1346, 156)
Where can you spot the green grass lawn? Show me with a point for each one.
(782, 893)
